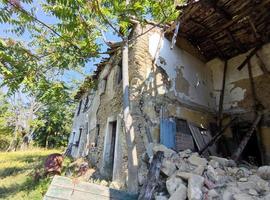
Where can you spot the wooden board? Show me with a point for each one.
(167, 133)
(202, 138)
(63, 188)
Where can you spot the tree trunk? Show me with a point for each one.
(129, 129)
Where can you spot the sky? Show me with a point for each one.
(68, 76)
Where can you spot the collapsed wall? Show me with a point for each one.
(238, 97)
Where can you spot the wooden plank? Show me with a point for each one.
(64, 188)
(197, 136)
(216, 137)
(221, 97)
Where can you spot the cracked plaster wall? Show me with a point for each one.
(178, 83)
(238, 97)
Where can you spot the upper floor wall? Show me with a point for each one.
(238, 94)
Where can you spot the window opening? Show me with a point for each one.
(78, 141)
(79, 109)
(86, 104)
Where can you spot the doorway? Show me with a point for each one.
(109, 149)
(112, 128)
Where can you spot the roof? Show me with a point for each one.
(225, 28)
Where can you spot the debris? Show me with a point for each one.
(188, 175)
(173, 183)
(168, 167)
(198, 161)
(195, 183)
(264, 172)
(149, 186)
(180, 193)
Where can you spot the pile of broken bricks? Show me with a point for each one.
(186, 175)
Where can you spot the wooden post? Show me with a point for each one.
(236, 155)
(152, 177)
(256, 107)
(221, 98)
(129, 129)
(216, 137)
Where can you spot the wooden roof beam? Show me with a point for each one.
(250, 55)
(207, 30)
(240, 16)
(254, 30)
(218, 9)
(236, 43)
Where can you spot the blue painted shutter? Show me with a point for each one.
(167, 133)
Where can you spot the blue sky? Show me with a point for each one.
(68, 75)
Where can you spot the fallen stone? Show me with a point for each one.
(245, 186)
(184, 166)
(214, 164)
(199, 170)
(196, 160)
(161, 197)
(266, 197)
(212, 194)
(253, 192)
(223, 161)
(264, 172)
(180, 193)
(173, 183)
(230, 192)
(183, 175)
(243, 179)
(185, 154)
(168, 153)
(168, 167)
(242, 196)
(195, 183)
(213, 175)
(262, 185)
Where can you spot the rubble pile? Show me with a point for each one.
(186, 175)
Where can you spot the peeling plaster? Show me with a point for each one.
(192, 81)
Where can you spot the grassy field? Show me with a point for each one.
(17, 174)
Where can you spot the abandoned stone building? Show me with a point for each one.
(217, 74)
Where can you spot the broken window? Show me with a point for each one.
(79, 108)
(175, 134)
(178, 134)
(97, 135)
(73, 138)
(183, 138)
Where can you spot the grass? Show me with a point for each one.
(17, 174)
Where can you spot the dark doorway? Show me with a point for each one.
(251, 152)
(112, 128)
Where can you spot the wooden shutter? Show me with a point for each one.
(167, 132)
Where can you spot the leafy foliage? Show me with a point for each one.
(68, 43)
